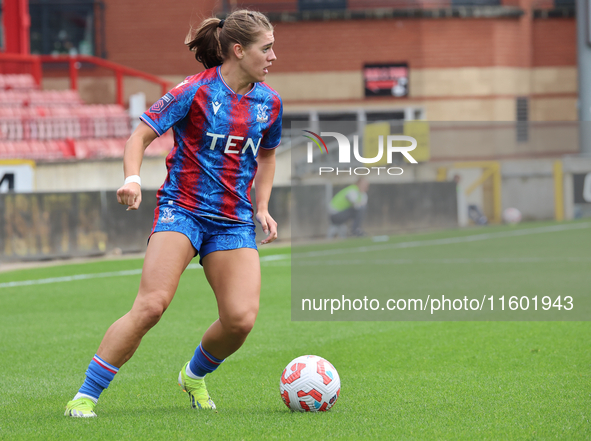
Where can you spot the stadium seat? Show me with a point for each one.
(17, 82)
(68, 148)
(54, 124)
(7, 150)
(161, 146)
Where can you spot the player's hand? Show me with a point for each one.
(269, 226)
(130, 195)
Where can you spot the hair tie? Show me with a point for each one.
(221, 23)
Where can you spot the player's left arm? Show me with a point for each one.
(263, 183)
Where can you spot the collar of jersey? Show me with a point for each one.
(229, 88)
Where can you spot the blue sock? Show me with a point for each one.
(98, 376)
(203, 362)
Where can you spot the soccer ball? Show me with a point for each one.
(512, 216)
(309, 384)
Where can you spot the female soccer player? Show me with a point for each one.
(226, 125)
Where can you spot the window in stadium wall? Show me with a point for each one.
(394, 115)
(289, 118)
(386, 79)
(312, 5)
(522, 113)
(67, 27)
(338, 116)
(476, 2)
(343, 121)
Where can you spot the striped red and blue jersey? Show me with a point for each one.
(217, 137)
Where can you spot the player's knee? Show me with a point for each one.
(149, 314)
(152, 315)
(241, 326)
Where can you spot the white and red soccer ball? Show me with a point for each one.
(512, 216)
(310, 384)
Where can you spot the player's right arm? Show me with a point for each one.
(131, 194)
(163, 114)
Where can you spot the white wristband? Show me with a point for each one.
(133, 178)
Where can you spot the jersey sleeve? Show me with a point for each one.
(272, 138)
(171, 108)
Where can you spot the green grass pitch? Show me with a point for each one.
(400, 380)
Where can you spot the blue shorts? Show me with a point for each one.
(206, 234)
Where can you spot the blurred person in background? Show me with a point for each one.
(347, 205)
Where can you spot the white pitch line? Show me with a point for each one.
(71, 278)
(133, 272)
(485, 260)
(447, 241)
(275, 257)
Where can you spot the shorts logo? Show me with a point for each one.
(262, 116)
(162, 103)
(167, 215)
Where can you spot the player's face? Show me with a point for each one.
(259, 56)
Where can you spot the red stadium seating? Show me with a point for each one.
(161, 146)
(17, 82)
(49, 125)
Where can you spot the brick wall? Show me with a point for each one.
(456, 63)
(149, 36)
(151, 39)
(555, 42)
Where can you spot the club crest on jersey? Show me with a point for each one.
(162, 103)
(262, 116)
(167, 215)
